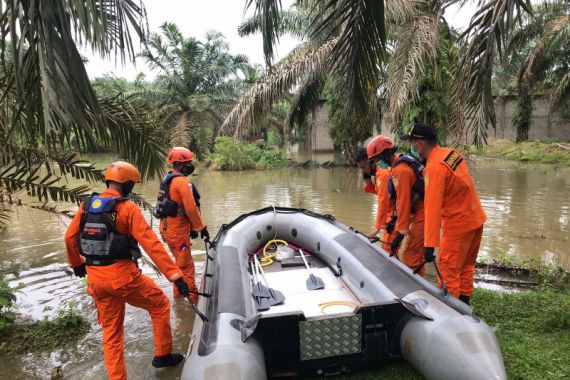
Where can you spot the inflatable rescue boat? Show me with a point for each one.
(295, 293)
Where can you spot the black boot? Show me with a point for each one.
(464, 298)
(169, 360)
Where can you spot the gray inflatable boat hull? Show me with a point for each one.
(436, 334)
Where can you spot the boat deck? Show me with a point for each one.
(292, 283)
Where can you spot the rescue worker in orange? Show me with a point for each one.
(405, 191)
(179, 215)
(102, 243)
(451, 204)
(378, 185)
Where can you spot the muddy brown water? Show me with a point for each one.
(528, 218)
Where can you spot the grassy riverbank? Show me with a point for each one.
(547, 152)
(533, 329)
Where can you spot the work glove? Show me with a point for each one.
(80, 271)
(204, 234)
(366, 176)
(391, 224)
(429, 255)
(182, 287)
(193, 234)
(396, 244)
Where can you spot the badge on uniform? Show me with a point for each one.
(453, 160)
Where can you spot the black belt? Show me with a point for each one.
(100, 262)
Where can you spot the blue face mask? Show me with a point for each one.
(382, 165)
(415, 153)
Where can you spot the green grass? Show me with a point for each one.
(533, 329)
(230, 154)
(547, 152)
(45, 335)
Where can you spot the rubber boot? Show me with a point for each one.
(464, 298)
(169, 360)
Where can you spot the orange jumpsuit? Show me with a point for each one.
(385, 210)
(409, 224)
(452, 204)
(175, 231)
(114, 285)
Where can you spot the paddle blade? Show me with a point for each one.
(262, 303)
(276, 297)
(315, 283)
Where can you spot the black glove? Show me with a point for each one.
(183, 288)
(429, 256)
(366, 176)
(80, 271)
(391, 224)
(204, 234)
(396, 243)
(193, 234)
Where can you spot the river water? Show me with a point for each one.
(528, 218)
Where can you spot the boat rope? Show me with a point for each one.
(325, 305)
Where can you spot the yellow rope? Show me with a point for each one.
(324, 305)
(267, 259)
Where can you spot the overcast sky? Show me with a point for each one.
(196, 17)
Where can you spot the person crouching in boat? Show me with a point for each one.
(405, 191)
(179, 215)
(376, 179)
(102, 243)
(451, 204)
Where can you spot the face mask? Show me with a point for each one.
(127, 188)
(383, 164)
(188, 169)
(415, 153)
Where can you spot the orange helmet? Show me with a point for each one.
(378, 145)
(179, 154)
(122, 172)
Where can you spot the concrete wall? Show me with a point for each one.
(321, 140)
(545, 124)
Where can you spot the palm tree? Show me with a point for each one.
(347, 41)
(47, 104)
(545, 38)
(197, 84)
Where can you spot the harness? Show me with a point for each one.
(165, 206)
(99, 241)
(418, 189)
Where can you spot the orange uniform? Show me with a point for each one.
(114, 285)
(385, 209)
(452, 204)
(175, 231)
(410, 222)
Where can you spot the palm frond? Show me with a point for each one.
(486, 36)
(358, 55)
(268, 12)
(305, 98)
(260, 97)
(416, 48)
(561, 92)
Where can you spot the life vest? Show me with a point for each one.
(99, 241)
(419, 188)
(164, 205)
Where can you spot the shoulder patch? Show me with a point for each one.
(453, 160)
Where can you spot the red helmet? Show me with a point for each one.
(122, 172)
(378, 145)
(179, 154)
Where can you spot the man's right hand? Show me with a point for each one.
(429, 255)
(204, 234)
(80, 271)
(182, 287)
(372, 234)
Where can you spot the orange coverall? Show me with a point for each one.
(114, 285)
(175, 231)
(385, 210)
(409, 224)
(452, 204)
